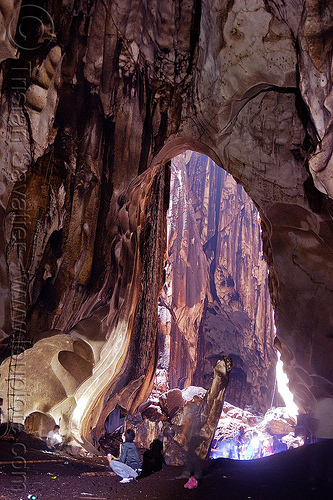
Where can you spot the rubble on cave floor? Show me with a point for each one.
(275, 431)
(160, 418)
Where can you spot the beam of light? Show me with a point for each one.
(80, 409)
(283, 388)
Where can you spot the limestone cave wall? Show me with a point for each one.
(216, 299)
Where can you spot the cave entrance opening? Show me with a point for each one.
(115, 421)
(216, 301)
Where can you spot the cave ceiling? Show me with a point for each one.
(96, 97)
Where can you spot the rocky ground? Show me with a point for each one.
(162, 417)
(52, 476)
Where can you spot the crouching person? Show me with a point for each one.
(54, 440)
(128, 465)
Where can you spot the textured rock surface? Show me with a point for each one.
(182, 303)
(246, 82)
(106, 347)
(215, 299)
(196, 417)
(276, 422)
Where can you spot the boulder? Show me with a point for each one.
(193, 394)
(171, 401)
(154, 413)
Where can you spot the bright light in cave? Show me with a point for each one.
(254, 442)
(283, 388)
(79, 410)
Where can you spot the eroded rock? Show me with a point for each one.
(174, 429)
(215, 299)
(140, 83)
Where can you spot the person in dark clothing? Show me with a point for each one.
(240, 440)
(153, 459)
(128, 465)
(191, 432)
(278, 445)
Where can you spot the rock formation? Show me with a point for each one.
(96, 98)
(277, 425)
(180, 416)
(215, 299)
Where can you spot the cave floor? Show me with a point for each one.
(49, 476)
